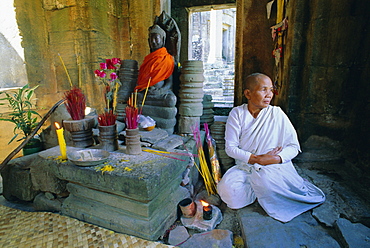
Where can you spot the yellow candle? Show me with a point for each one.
(61, 141)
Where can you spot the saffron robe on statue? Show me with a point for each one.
(158, 66)
(280, 191)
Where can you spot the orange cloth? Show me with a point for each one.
(157, 65)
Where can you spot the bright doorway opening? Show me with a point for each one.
(212, 40)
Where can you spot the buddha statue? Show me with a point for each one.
(156, 77)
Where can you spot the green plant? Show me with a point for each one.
(22, 114)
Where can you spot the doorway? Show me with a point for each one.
(212, 40)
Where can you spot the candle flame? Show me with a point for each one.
(57, 125)
(205, 204)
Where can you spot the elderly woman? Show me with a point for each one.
(263, 142)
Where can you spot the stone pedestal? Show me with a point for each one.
(139, 197)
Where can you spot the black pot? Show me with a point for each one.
(33, 146)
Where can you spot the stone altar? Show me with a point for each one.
(139, 197)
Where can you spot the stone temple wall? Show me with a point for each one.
(327, 75)
(84, 33)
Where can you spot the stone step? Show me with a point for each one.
(260, 230)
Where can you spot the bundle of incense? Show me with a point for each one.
(215, 165)
(203, 170)
(132, 113)
(107, 118)
(76, 103)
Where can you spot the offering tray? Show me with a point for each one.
(88, 157)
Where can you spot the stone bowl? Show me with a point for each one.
(88, 157)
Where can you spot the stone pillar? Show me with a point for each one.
(215, 50)
(191, 95)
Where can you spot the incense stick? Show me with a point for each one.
(65, 69)
(146, 92)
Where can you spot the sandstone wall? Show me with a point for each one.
(326, 74)
(84, 33)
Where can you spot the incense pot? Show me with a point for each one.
(133, 145)
(188, 208)
(108, 137)
(81, 131)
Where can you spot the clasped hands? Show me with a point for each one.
(265, 159)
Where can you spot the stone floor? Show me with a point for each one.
(340, 222)
(343, 220)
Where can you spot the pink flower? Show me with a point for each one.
(103, 66)
(100, 74)
(103, 74)
(113, 76)
(116, 61)
(110, 65)
(97, 73)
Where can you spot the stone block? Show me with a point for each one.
(119, 219)
(214, 238)
(178, 235)
(43, 176)
(149, 173)
(135, 208)
(169, 143)
(17, 183)
(153, 136)
(353, 234)
(161, 112)
(186, 123)
(42, 203)
(296, 233)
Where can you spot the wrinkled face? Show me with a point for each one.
(155, 41)
(261, 95)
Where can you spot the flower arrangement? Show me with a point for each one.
(108, 75)
(75, 103)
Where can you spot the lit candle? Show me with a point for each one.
(61, 141)
(207, 210)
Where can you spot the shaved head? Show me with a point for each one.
(252, 80)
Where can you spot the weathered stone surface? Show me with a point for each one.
(186, 124)
(173, 193)
(102, 211)
(43, 176)
(148, 172)
(340, 200)
(353, 235)
(169, 143)
(178, 235)
(301, 231)
(13, 72)
(153, 136)
(214, 238)
(17, 183)
(43, 203)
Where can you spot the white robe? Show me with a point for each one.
(281, 192)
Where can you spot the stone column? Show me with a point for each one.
(191, 95)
